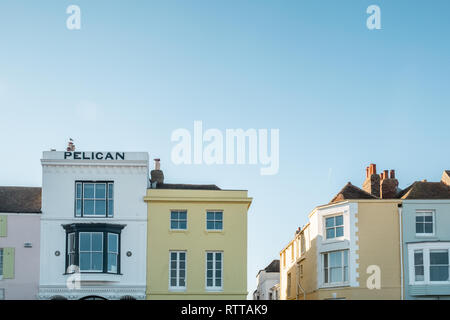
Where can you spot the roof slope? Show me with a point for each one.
(20, 199)
(350, 191)
(274, 266)
(426, 190)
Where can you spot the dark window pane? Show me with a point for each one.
(85, 241)
(330, 233)
(182, 215)
(209, 283)
(110, 207)
(78, 208)
(100, 207)
(420, 218)
(439, 273)
(112, 262)
(111, 191)
(112, 242)
(428, 228)
(173, 225)
(183, 225)
(428, 218)
(85, 261)
(339, 220)
(218, 283)
(340, 232)
(97, 241)
(218, 225)
(210, 225)
(218, 216)
(174, 215)
(97, 261)
(209, 273)
(329, 222)
(439, 257)
(218, 256)
(100, 191)
(173, 256)
(182, 282)
(89, 190)
(78, 193)
(88, 207)
(418, 258)
(173, 282)
(210, 216)
(420, 228)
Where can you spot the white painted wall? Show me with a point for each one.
(265, 281)
(130, 178)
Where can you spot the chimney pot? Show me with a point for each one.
(392, 174)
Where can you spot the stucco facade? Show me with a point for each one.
(22, 240)
(126, 223)
(195, 242)
(369, 239)
(414, 241)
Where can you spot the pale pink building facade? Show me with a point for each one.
(19, 242)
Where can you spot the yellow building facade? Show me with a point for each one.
(348, 250)
(197, 243)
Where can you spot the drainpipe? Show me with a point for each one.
(401, 250)
(298, 282)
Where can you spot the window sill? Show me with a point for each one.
(97, 276)
(214, 289)
(335, 285)
(178, 230)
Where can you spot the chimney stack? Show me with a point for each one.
(372, 182)
(389, 185)
(157, 175)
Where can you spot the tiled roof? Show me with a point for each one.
(274, 266)
(20, 200)
(187, 186)
(350, 191)
(425, 190)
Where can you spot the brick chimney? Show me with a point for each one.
(157, 175)
(388, 185)
(372, 182)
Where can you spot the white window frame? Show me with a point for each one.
(325, 228)
(178, 260)
(426, 248)
(425, 213)
(340, 283)
(79, 251)
(73, 253)
(178, 220)
(206, 219)
(214, 287)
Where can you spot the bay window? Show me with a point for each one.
(334, 227)
(429, 263)
(93, 248)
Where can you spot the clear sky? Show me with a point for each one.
(341, 95)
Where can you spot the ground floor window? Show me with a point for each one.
(429, 263)
(214, 270)
(177, 270)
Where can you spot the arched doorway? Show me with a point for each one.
(93, 298)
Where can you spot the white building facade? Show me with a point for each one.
(93, 225)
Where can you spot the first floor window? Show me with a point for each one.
(94, 199)
(177, 270)
(214, 220)
(424, 223)
(334, 227)
(214, 268)
(178, 220)
(93, 247)
(335, 267)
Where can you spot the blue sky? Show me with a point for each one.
(342, 96)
